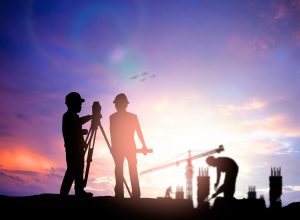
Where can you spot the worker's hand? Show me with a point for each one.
(144, 150)
(216, 186)
(85, 146)
(85, 131)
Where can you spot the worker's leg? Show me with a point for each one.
(228, 192)
(134, 178)
(78, 175)
(69, 175)
(119, 187)
(229, 183)
(67, 182)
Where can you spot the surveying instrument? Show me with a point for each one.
(91, 138)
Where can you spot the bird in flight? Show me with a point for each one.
(134, 77)
(143, 76)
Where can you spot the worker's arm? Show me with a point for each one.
(218, 177)
(85, 119)
(139, 133)
(219, 190)
(111, 131)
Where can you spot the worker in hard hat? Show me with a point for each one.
(228, 166)
(168, 192)
(123, 126)
(74, 145)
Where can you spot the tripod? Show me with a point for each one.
(90, 140)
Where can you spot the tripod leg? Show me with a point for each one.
(88, 139)
(128, 190)
(88, 135)
(90, 149)
(108, 144)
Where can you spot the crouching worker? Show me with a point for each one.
(230, 168)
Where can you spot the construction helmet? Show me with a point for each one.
(121, 98)
(73, 97)
(210, 160)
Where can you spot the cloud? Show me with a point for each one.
(33, 120)
(55, 172)
(23, 158)
(274, 125)
(13, 178)
(22, 116)
(253, 104)
(5, 131)
(281, 11)
(276, 118)
(291, 188)
(25, 117)
(251, 46)
(296, 37)
(266, 146)
(24, 182)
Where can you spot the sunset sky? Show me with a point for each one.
(198, 73)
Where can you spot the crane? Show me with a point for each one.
(189, 168)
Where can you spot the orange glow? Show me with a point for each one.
(22, 158)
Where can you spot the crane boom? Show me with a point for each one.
(217, 150)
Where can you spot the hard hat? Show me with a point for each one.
(210, 159)
(73, 97)
(121, 98)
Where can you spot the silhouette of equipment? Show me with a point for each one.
(144, 151)
(91, 138)
(217, 150)
(189, 167)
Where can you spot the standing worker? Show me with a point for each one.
(230, 168)
(74, 145)
(123, 126)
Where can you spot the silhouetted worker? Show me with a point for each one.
(168, 192)
(230, 168)
(74, 145)
(123, 126)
